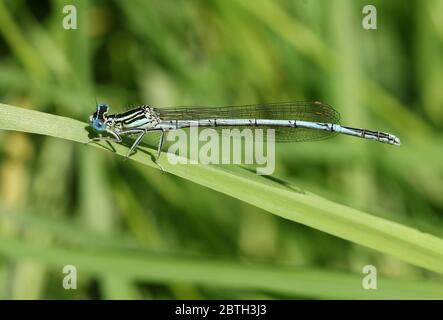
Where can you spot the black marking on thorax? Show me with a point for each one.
(121, 120)
(130, 114)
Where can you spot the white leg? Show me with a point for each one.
(136, 143)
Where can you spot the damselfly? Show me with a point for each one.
(292, 122)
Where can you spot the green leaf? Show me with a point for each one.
(134, 266)
(403, 242)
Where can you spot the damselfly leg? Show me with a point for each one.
(137, 141)
(115, 138)
(160, 144)
(159, 149)
(140, 137)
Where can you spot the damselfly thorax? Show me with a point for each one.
(142, 117)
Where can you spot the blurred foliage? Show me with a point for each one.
(115, 216)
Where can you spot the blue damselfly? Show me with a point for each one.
(292, 122)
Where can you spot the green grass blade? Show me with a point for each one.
(149, 267)
(405, 243)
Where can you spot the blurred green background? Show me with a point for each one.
(80, 203)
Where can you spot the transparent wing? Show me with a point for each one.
(302, 110)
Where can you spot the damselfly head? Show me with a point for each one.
(98, 119)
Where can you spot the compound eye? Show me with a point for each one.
(98, 125)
